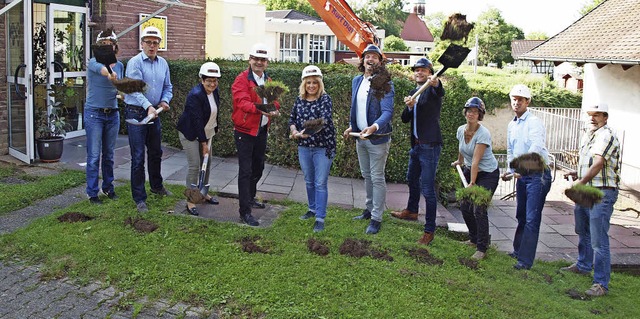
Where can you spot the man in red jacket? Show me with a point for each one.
(250, 130)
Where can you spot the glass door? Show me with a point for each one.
(19, 81)
(67, 58)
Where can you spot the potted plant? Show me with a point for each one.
(67, 100)
(50, 131)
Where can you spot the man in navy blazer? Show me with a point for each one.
(371, 117)
(426, 144)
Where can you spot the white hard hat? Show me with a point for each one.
(151, 32)
(311, 70)
(259, 50)
(102, 36)
(521, 90)
(210, 69)
(599, 107)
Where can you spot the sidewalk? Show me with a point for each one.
(558, 240)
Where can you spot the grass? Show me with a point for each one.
(200, 261)
(33, 188)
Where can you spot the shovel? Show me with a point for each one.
(145, 120)
(104, 54)
(204, 189)
(462, 178)
(452, 57)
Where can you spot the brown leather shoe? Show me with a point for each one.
(405, 214)
(426, 239)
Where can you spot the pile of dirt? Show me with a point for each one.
(360, 248)
(74, 217)
(140, 224)
(317, 247)
(252, 244)
(422, 255)
(469, 263)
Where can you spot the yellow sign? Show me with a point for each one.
(159, 22)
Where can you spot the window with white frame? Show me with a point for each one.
(319, 49)
(342, 47)
(291, 47)
(237, 25)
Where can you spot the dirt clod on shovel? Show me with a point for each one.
(318, 247)
(381, 81)
(141, 225)
(73, 217)
(360, 248)
(456, 28)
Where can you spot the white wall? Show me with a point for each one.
(621, 90)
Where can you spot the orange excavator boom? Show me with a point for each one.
(345, 24)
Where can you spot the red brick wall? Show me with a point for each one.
(185, 26)
(4, 124)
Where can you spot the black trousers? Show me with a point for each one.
(476, 218)
(251, 154)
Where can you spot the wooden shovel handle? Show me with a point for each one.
(426, 84)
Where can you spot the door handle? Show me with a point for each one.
(61, 66)
(15, 79)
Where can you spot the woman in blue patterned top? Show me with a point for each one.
(316, 143)
(480, 168)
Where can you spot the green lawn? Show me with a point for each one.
(19, 190)
(201, 262)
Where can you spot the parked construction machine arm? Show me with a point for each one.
(348, 28)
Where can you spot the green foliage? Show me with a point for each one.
(298, 5)
(435, 22)
(200, 262)
(393, 43)
(494, 37)
(477, 195)
(537, 36)
(588, 190)
(588, 6)
(384, 14)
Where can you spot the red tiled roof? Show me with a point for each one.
(415, 29)
(519, 47)
(609, 34)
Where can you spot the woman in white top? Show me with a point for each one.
(480, 168)
(197, 126)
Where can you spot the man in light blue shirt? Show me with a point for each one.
(526, 134)
(154, 71)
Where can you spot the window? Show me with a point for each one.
(237, 25)
(342, 47)
(319, 49)
(291, 49)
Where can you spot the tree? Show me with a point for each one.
(537, 36)
(393, 43)
(298, 5)
(434, 22)
(384, 14)
(494, 37)
(589, 6)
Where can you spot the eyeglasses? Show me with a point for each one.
(211, 80)
(151, 43)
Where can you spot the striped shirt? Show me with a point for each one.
(603, 142)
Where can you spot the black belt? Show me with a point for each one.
(133, 106)
(606, 187)
(107, 110)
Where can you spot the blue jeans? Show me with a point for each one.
(102, 131)
(316, 166)
(373, 159)
(140, 137)
(421, 178)
(592, 227)
(531, 193)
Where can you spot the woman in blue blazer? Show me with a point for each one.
(197, 126)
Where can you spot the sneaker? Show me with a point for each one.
(111, 195)
(162, 192)
(318, 226)
(374, 227)
(249, 220)
(426, 238)
(478, 255)
(257, 204)
(574, 269)
(308, 215)
(142, 207)
(95, 200)
(597, 290)
(405, 214)
(366, 214)
(520, 266)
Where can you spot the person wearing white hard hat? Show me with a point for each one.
(480, 167)
(154, 71)
(102, 120)
(526, 134)
(198, 124)
(371, 117)
(598, 166)
(316, 144)
(250, 127)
